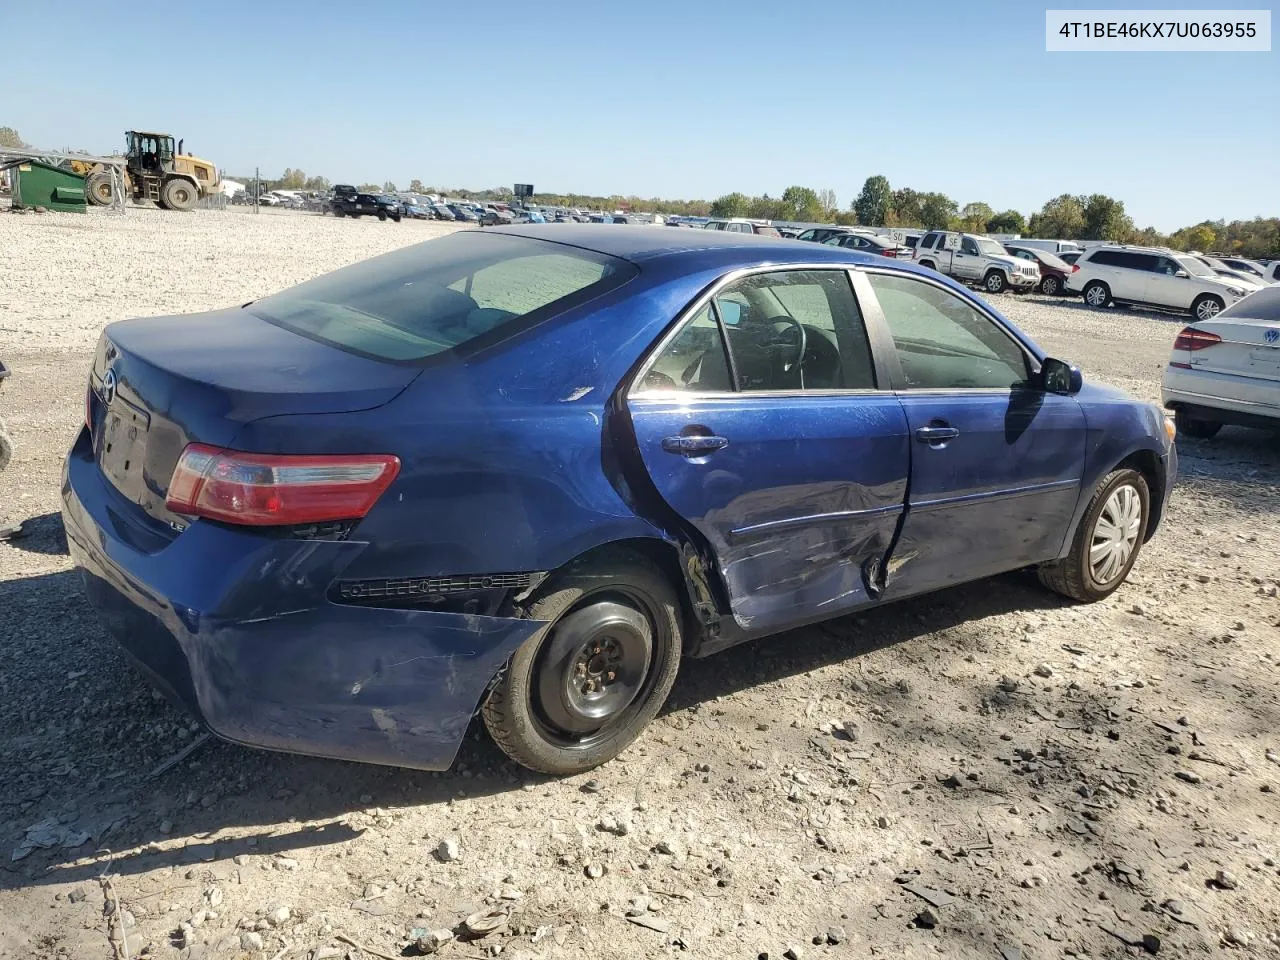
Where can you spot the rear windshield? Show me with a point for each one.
(468, 289)
(1261, 305)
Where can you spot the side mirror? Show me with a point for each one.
(1182, 274)
(1057, 376)
(730, 312)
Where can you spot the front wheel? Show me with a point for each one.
(578, 694)
(1206, 306)
(1108, 541)
(994, 281)
(1097, 294)
(179, 194)
(1051, 286)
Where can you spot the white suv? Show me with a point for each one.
(973, 259)
(1151, 276)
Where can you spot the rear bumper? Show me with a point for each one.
(236, 627)
(1248, 401)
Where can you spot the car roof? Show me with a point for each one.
(641, 243)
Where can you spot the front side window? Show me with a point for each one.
(969, 247)
(929, 240)
(430, 298)
(943, 343)
(785, 331)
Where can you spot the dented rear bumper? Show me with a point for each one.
(237, 628)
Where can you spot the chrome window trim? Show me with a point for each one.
(634, 391)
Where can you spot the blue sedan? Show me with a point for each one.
(525, 471)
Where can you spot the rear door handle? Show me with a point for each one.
(936, 434)
(694, 446)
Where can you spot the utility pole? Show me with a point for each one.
(257, 189)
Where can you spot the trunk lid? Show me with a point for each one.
(160, 383)
(1250, 332)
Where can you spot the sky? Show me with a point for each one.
(689, 99)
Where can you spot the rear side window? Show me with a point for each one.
(1105, 258)
(465, 290)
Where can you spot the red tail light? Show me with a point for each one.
(270, 490)
(1192, 339)
(890, 253)
(1075, 268)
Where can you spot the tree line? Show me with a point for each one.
(1065, 217)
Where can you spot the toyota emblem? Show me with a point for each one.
(109, 387)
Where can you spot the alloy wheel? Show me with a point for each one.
(1208, 309)
(1115, 534)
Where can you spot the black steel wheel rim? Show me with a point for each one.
(597, 667)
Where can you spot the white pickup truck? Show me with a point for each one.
(973, 259)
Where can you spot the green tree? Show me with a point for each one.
(1151, 237)
(872, 205)
(730, 205)
(1007, 221)
(766, 208)
(1105, 219)
(291, 180)
(1062, 218)
(937, 210)
(9, 138)
(974, 217)
(388, 187)
(906, 210)
(318, 184)
(369, 188)
(415, 186)
(799, 203)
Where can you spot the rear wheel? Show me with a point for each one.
(577, 695)
(1206, 306)
(98, 189)
(1195, 427)
(337, 211)
(1108, 541)
(382, 214)
(928, 263)
(178, 194)
(1051, 286)
(994, 281)
(1097, 294)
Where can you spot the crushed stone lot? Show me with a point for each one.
(986, 772)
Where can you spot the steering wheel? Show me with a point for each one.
(782, 339)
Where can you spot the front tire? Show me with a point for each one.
(179, 194)
(1051, 286)
(579, 693)
(1107, 542)
(1195, 428)
(1206, 306)
(994, 282)
(1097, 294)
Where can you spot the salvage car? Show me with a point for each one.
(1226, 369)
(525, 471)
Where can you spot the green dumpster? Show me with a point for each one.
(41, 185)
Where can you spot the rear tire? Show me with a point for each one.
(1051, 286)
(577, 694)
(98, 189)
(1206, 306)
(994, 282)
(928, 263)
(382, 214)
(1108, 541)
(1194, 427)
(179, 194)
(337, 212)
(1097, 294)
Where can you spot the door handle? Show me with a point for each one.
(936, 434)
(694, 446)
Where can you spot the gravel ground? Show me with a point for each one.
(986, 772)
